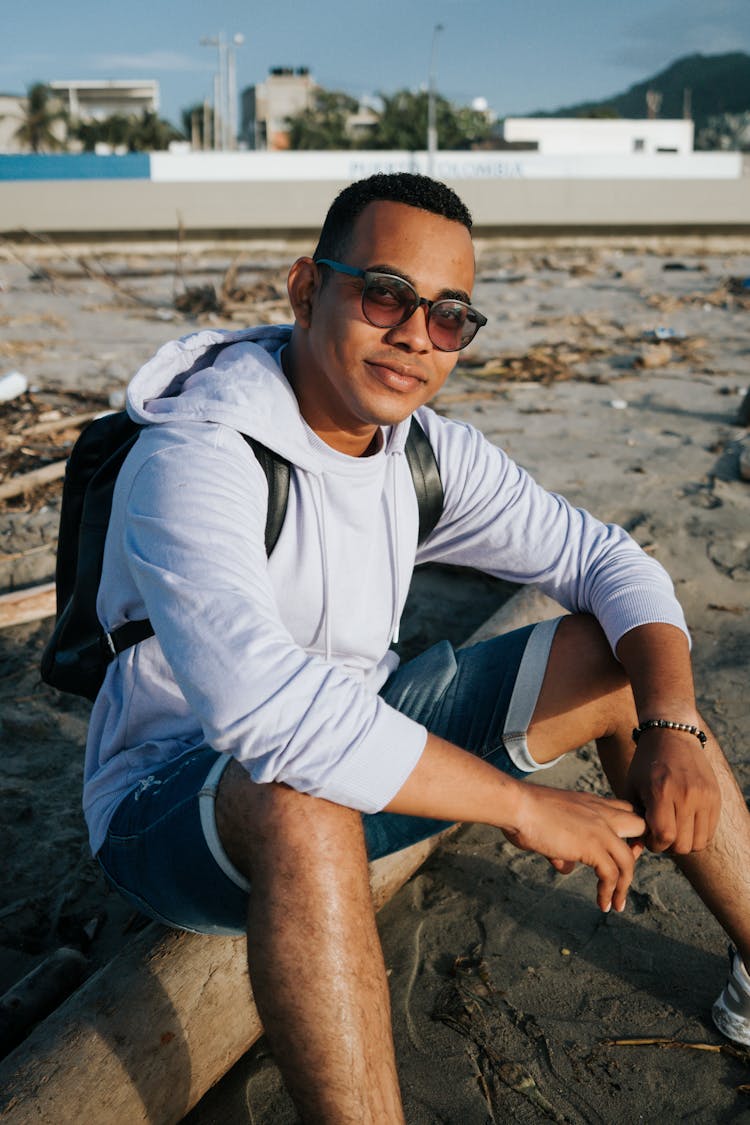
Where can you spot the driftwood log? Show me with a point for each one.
(145, 1037)
(21, 606)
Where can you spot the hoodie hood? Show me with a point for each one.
(235, 379)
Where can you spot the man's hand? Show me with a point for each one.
(672, 782)
(571, 828)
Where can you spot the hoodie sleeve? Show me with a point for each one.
(498, 519)
(191, 531)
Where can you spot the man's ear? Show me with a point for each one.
(302, 286)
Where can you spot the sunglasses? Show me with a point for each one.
(388, 300)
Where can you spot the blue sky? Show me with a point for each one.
(520, 55)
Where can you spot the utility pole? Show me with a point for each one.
(432, 137)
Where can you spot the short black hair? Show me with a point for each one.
(410, 188)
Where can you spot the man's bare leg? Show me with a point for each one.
(586, 696)
(315, 959)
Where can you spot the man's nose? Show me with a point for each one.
(413, 334)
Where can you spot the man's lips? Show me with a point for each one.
(397, 376)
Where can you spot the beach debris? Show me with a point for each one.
(731, 1049)
(544, 363)
(744, 461)
(12, 385)
(26, 482)
(19, 607)
(116, 398)
(38, 993)
(618, 404)
(662, 333)
(39, 430)
(466, 1004)
(743, 414)
(698, 267)
(263, 301)
(656, 355)
(197, 299)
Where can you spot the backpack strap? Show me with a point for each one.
(278, 471)
(426, 476)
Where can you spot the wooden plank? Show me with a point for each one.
(21, 606)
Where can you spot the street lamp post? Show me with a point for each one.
(237, 40)
(432, 138)
(219, 89)
(225, 89)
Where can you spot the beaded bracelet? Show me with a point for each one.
(687, 727)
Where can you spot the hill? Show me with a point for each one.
(718, 85)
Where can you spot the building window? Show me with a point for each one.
(639, 144)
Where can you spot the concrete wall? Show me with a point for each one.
(282, 208)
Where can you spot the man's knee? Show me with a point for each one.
(581, 643)
(272, 823)
(585, 692)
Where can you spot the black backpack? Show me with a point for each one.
(77, 654)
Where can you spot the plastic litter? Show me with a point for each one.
(12, 385)
(663, 333)
(618, 404)
(117, 399)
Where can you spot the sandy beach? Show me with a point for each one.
(615, 373)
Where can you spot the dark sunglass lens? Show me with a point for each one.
(452, 325)
(386, 301)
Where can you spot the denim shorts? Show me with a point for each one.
(163, 851)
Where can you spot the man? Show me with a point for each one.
(236, 750)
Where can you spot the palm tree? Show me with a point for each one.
(41, 113)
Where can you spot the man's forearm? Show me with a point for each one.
(657, 660)
(449, 784)
(671, 776)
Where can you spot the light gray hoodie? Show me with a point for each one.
(279, 661)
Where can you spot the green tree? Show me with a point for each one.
(323, 125)
(147, 133)
(151, 133)
(41, 113)
(403, 123)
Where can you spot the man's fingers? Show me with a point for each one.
(662, 825)
(564, 866)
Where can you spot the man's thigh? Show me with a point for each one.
(163, 853)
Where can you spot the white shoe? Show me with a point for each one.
(731, 1012)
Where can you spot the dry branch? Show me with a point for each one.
(27, 481)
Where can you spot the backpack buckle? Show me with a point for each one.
(108, 646)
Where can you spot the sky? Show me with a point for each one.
(519, 55)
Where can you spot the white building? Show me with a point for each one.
(93, 101)
(568, 136)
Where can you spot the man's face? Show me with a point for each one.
(351, 376)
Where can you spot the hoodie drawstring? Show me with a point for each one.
(395, 568)
(321, 515)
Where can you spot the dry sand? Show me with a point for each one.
(506, 981)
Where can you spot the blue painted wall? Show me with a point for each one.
(82, 166)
